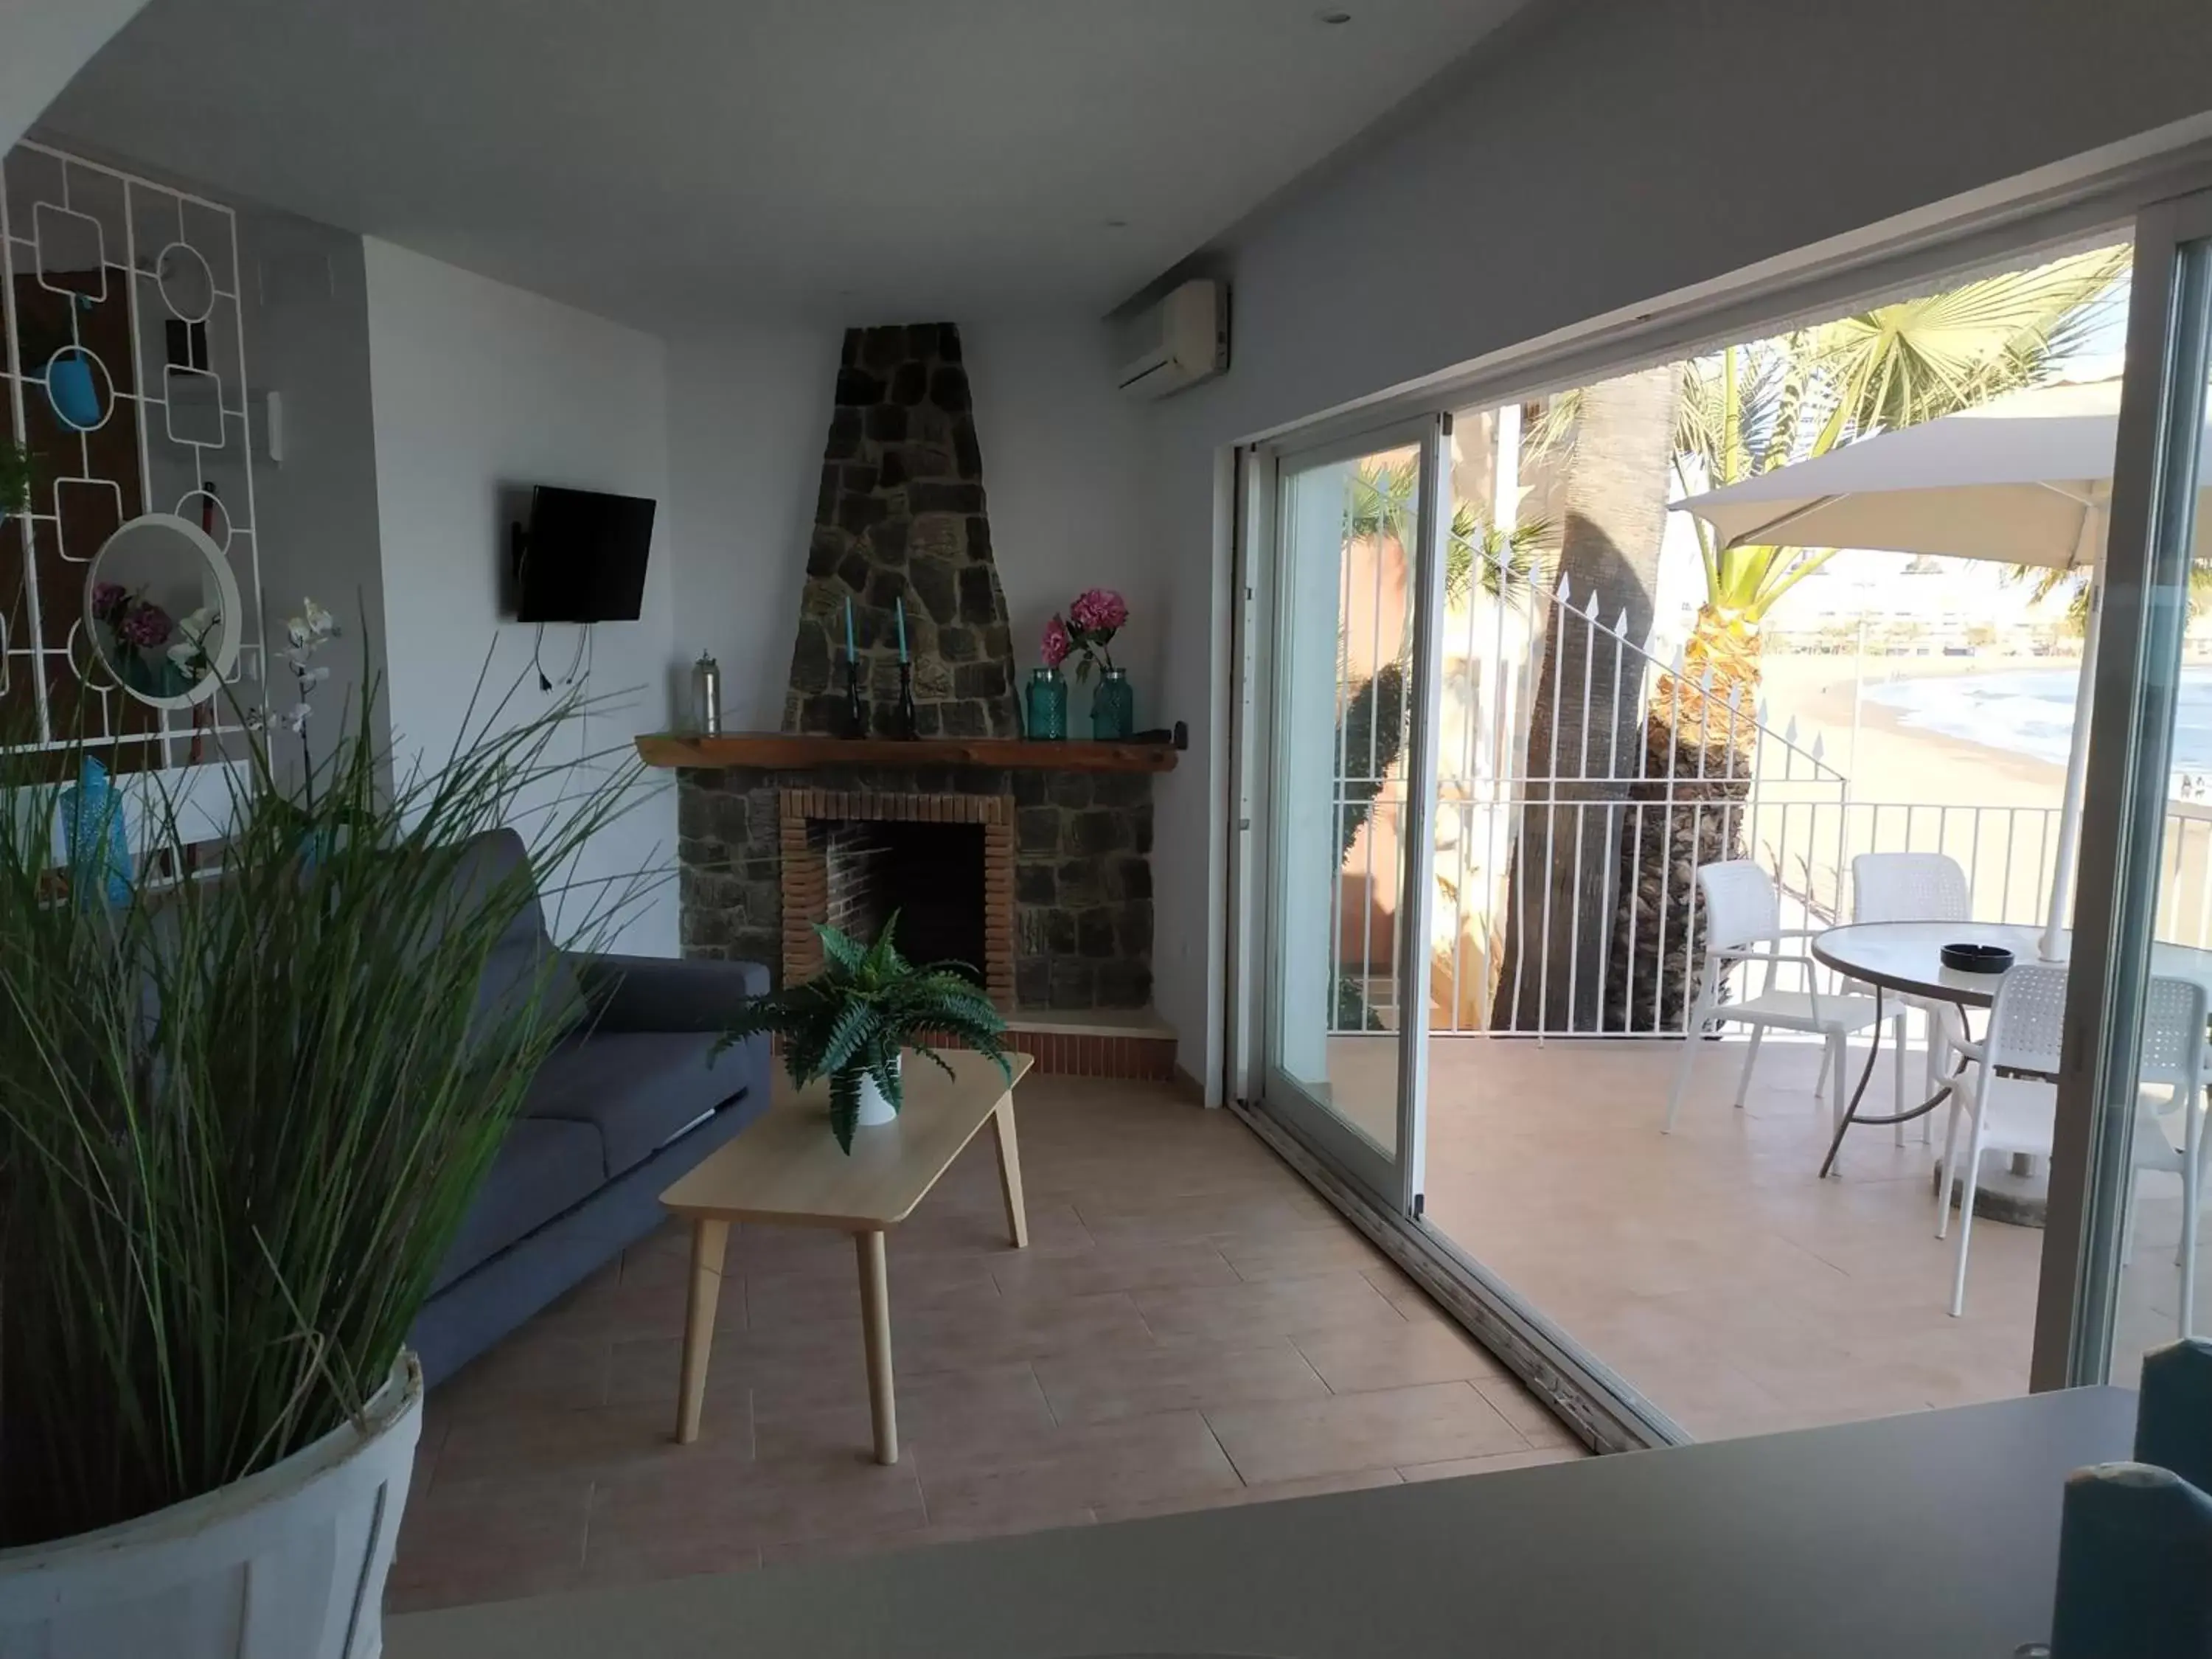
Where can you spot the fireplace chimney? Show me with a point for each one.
(901, 515)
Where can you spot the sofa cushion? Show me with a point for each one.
(544, 1167)
(635, 1088)
(524, 956)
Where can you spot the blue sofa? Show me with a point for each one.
(629, 1101)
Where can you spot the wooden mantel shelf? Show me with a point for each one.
(781, 751)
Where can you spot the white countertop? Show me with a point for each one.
(1934, 1535)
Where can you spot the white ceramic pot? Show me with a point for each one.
(876, 1107)
(290, 1561)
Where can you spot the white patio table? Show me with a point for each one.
(1907, 957)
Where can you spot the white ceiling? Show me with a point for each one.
(658, 159)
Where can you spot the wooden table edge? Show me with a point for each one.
(841, 1223)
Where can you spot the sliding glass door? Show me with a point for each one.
(2126, 1258)
(1346, 698)
(1430, 674)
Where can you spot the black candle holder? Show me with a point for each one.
(856, 712)
(908, 726)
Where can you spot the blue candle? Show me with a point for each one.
(2132, 1545)
(898, 604)
(850, 655)
(2173, 1417)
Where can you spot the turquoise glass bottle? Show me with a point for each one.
(1113, 708)
(1048, 700)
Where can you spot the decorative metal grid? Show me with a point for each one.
(134, 286)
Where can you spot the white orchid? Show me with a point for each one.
(312, 628)
(304, 635)
(190, 653)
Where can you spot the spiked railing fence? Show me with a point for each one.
(1630, 792)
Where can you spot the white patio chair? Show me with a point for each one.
(2174, 1062)
(1916, 887)
(2018, 1115)
(1743, 924)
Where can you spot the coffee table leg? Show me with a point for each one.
(1010, 1174)
(709, 1243)
(876, 1332)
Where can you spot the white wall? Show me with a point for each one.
(48, 41)
(1065, 460)
(307, 339)
(1625, 149)
(480, 391)
(747, 409)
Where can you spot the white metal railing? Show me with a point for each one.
(1564, 793)
(1572, 817)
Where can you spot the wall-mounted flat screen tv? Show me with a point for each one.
(583, 556)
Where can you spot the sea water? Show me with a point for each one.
(2030, 711)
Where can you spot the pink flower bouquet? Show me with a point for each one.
(144, 625)
(1096, 616)
(1055, 645)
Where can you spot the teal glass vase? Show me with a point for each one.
(1113, 708)
(92, 814)
(1047, 705)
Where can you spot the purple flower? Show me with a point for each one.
(145, 626)
(107, 599)
(1098, 610)
(1056, 644)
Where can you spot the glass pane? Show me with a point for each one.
(1629, 695)
(2157, 1198)
(1343, 672)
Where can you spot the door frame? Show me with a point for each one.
(1392, 1178)
(2071, 203)
(2144, 616)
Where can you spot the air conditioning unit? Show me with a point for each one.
(1179, 341)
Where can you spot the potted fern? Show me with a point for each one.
(853, 1022)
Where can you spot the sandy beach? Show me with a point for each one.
(1895, 761)
(1908, 789)
(1994, 810)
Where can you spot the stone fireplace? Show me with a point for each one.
(1030, 862)
(1061, 868)
(942, 865)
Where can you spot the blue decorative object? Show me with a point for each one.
(2135, 1540)
(70, 389)
(93, 824)
(1113, 707)
(2173, 1415)
(2135, 1566)
(1047, 702)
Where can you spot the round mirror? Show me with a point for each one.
(160, 607)
(187, 284)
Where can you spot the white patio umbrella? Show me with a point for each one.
(2025, 479)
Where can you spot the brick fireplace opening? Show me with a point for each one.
(944, 864)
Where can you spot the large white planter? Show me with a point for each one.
(289, 1564)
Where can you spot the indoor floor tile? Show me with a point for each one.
(1187, 1307)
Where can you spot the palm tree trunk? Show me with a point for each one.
(1559, 899)
(1689, 810)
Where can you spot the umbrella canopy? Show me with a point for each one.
(2024, 479)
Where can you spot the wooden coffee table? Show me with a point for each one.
(786, 1170)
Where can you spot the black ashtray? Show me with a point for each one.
(1977, 958)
